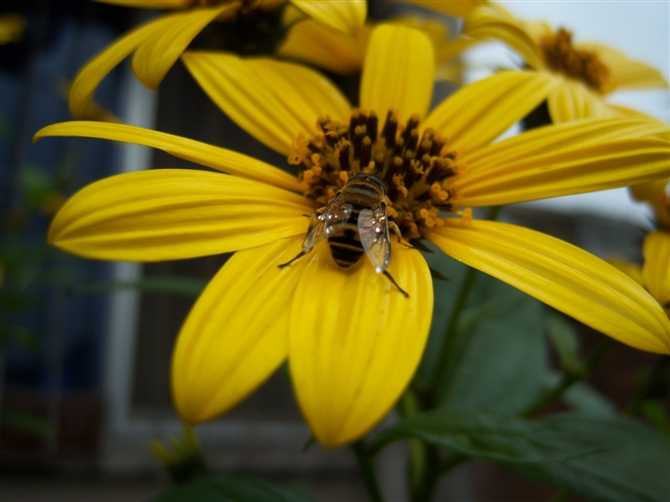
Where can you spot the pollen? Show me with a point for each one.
(562, 56)
(414, 165)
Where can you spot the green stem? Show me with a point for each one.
(418, 451)
(364, 459)
(643, 390)
(570, 379)
(450, 332)
(552, 395)
(447, 343)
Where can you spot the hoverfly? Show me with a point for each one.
(355, 222)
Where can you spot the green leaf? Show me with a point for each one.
(562, 335)
(230, 489)
(500, 364)
(657, 413)
(613, 459)
(37, 185)
(587, 401)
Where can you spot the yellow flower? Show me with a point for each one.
(157, 45)
(343, 53)
(11, 28)
(351, 339)
(654, 274)
(588, 72)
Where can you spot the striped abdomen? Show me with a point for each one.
(345, 244)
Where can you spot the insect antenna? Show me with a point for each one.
(299, 255)
(390, 278)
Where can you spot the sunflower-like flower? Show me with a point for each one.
(157, 44)
(588, 71)
(352, 340)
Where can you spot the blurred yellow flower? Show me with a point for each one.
(157, 44)
(588, 71)
(654, 274)
(340, 52)
(352, 340)
(655, 194)
(11, 28)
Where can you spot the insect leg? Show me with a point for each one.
(299, 255)
(390, 278)
(396, 230)
(315, 233)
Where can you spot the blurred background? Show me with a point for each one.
(85, 346)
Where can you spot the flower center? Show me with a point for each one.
(414, 166)
(584, 65)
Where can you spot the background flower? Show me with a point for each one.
(157, 44)
(588, 71)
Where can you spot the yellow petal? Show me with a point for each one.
(571, 168)
(221, 159)
(457, 8)
(563, 276)
(333, 50)
(151, 4)
(627, 112)
(650, 192)
(398, 72)
(89, 77)
(237, 333)
(656, 269)
(356, 341)
(632, 270)
(556, 138)
(273, 101)
(494, 23)
(437, 31)
(167, 214)
(480, 112)
(156, 55)
(626, 72)
(345, 16)
(572, 100)
(447, 55)
(636, 75)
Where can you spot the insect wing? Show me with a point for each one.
(324, 221)
(315, 233)
(373, 231)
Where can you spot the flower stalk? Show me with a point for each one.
(366, 466)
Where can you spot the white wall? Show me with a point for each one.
(641, 28)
